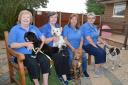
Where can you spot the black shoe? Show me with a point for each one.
(86, 74)
(60, 78)
(69, 78)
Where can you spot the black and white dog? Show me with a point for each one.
(113, 55)
(31, 37)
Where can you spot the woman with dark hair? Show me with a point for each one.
(74, 40)
(60, 61)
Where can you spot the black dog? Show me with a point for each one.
(31, 37)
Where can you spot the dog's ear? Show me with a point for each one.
(118, 51)
(111, 50)
(61, 29)
(30, 36)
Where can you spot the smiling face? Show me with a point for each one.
(25, 19)
(53, 19)
(91, 19)
(74, 21)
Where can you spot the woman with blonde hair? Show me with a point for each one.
(18, 43)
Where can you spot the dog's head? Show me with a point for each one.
(114, 51)
(56, 31)
(30, 37)
(78, 54)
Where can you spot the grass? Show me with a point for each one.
(52, 79)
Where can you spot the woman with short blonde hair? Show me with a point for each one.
(18, 43)
(25, 12)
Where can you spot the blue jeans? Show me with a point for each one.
(84, 59)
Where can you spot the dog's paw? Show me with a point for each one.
(113, 68)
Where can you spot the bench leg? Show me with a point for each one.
(89, 59)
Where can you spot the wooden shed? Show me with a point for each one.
(115, 15)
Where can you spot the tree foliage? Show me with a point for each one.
(93, 6)
(11, 8)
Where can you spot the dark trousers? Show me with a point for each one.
(34, 65)
(98, 53)
(61, 64)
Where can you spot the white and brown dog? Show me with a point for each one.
(113, 55)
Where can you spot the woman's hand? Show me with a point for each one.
(73, 49)
(29, 45)
(55, 39)
(91, 41)
(102, 41)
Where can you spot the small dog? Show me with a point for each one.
(76, 68)
(113, 56)
(57, 33)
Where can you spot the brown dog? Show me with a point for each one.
(77, 64)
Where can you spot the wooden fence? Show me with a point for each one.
(41, 18)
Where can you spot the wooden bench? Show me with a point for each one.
(19, 67)
(89, 59)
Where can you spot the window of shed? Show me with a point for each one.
(119, 9)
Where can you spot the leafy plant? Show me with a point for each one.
(93, 6)
(11, 8)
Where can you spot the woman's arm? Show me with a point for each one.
(19, 45)
(49, 40)
(81, 44)
(90, 41)
(68, 44)
(101, 41)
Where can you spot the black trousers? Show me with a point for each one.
(61, 64)
(60, 58)
(35, 65)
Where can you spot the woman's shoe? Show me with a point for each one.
(86, 74)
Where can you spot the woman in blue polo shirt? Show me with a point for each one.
(18, 43)
(60, 61)
(74, 40)
(91, 37)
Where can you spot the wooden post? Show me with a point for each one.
(22, 73)
(89, 59)
(82, 21)
(126, 36)
(60, 18)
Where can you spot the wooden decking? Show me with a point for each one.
(116, 40)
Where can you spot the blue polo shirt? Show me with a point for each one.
(46, 30)
(73, 36)
(16, 34)
(88, 29)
